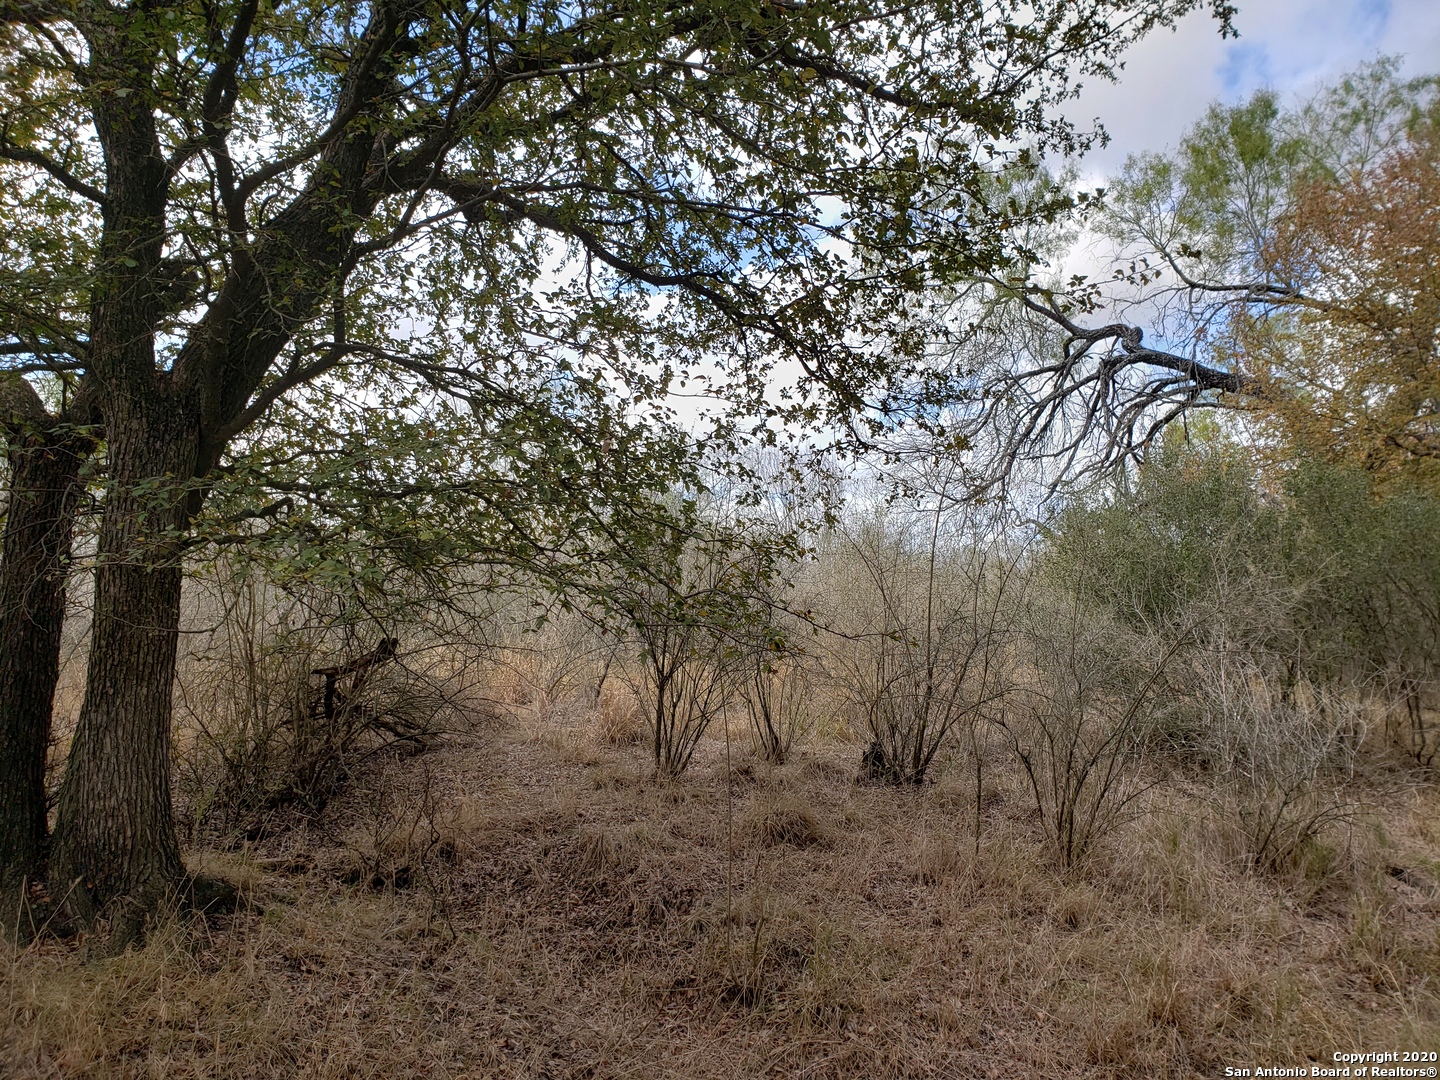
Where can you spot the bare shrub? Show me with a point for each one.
(923, 634)
(1081, 721)
(238, 716)
(1281, 755)
(285, 749)
(396, 846)
(687, 680)
(263, 721)
(691, 634)
(780, 698)
(563, 663)
(1410, 722)
(407, 839)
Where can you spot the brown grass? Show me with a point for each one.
(772, 819)
(562, 915)
(617, 717)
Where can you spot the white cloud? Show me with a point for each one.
(1293, 46)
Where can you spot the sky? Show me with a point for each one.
(1170, 78)
(1292, 46)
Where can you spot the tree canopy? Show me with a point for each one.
(1279, 262)
(546, 214)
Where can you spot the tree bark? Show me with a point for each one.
(115, 851)
(34, 557)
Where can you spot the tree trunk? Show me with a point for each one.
(34, 558)
(115, 852)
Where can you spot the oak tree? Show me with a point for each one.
(251, 196)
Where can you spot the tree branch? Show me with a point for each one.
(1130, 337)
(69, 180)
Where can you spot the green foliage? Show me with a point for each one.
(1210, 207)
(1328, 583)
(538, 174)
(365, 484)
(492, 240)
(1378, 612)
(1192, 523)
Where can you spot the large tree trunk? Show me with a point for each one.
(34, 558)
(115, 852)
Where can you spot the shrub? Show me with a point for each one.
(264, 721)
(1279, 755)
(1081, 719)
(691, 632)
(780, 699)
(924, 635)
(687, 681)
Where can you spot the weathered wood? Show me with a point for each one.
(333, 697)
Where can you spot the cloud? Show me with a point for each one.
(1292, 46)
(1369, 19)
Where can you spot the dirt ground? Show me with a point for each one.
(528, 902)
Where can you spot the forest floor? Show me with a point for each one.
(528, 902)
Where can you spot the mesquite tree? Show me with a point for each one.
(257, 195)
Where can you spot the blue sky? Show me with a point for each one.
(1294, 46)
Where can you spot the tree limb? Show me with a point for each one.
(69, 180)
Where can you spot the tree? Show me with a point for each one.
(1326, 582)
(263, 194)
(1358, 361)
(44, 460)
(1191, 525)
(1272, 259)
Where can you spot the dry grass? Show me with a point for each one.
(562, 915)
(617, 717)
(773, 818)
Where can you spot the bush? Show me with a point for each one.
(687, 681)
(780, 698)
(1330, 577)
(1082, 717)
(1192, 524)
(692, 632)
(1280, 757)
(271, 715)
(923, 635)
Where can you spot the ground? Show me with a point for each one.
(524, 900)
